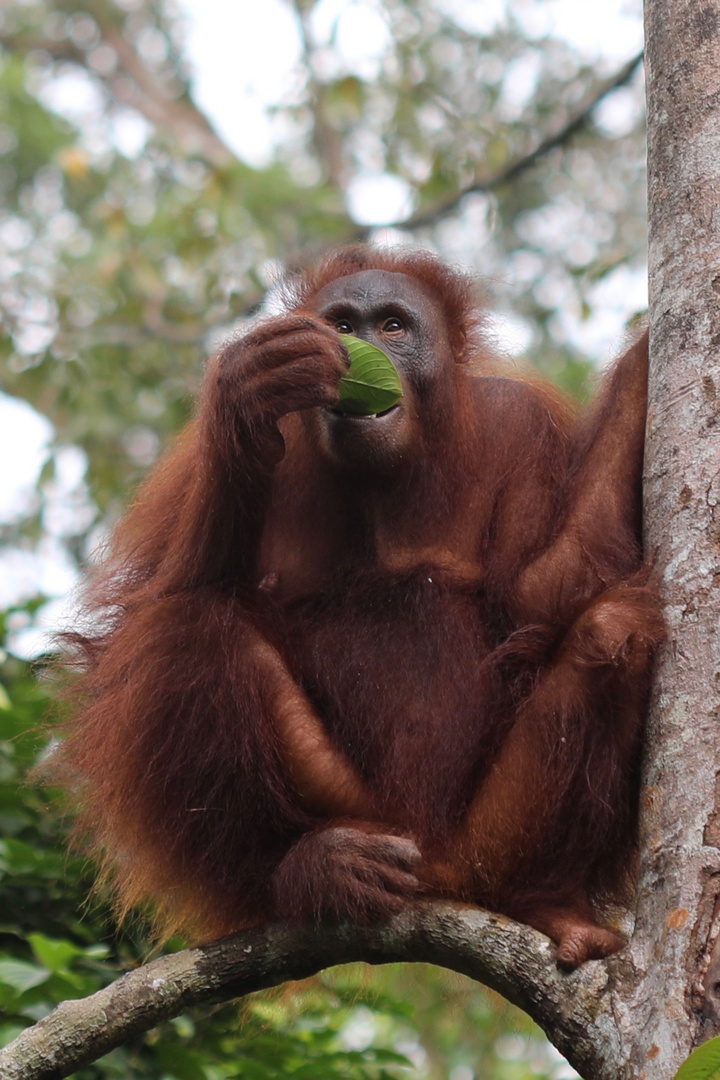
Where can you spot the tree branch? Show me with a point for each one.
(135, 86)
(520, 165)
(189, 126)
(573, 1008)
(328, 144)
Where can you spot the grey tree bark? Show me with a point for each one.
(510, 957)
(668, 996)
(637, 1015)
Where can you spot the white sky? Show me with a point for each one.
(243, 55)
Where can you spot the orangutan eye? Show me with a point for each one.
(343, 327)
(393, 326)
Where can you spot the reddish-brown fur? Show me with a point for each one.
(323, 675)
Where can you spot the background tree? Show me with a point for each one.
(123, 265)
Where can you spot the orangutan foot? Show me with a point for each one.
(577, 936)
(343, 872)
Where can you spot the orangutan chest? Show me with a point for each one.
(395, 671)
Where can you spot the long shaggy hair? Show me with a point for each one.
(503, 687)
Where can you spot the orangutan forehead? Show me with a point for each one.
(375, 287)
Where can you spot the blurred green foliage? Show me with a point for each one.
(121, 268)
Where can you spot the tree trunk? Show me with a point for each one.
(668, 1000)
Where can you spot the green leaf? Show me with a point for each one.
(53, 954)
(703, 1063)
(372, 384)
(5, 702)
(180, 1061)
(21, 976)
(8, 1032)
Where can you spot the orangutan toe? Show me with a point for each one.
(577, 934)
(586, 942)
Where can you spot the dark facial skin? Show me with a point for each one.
(401, 317)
